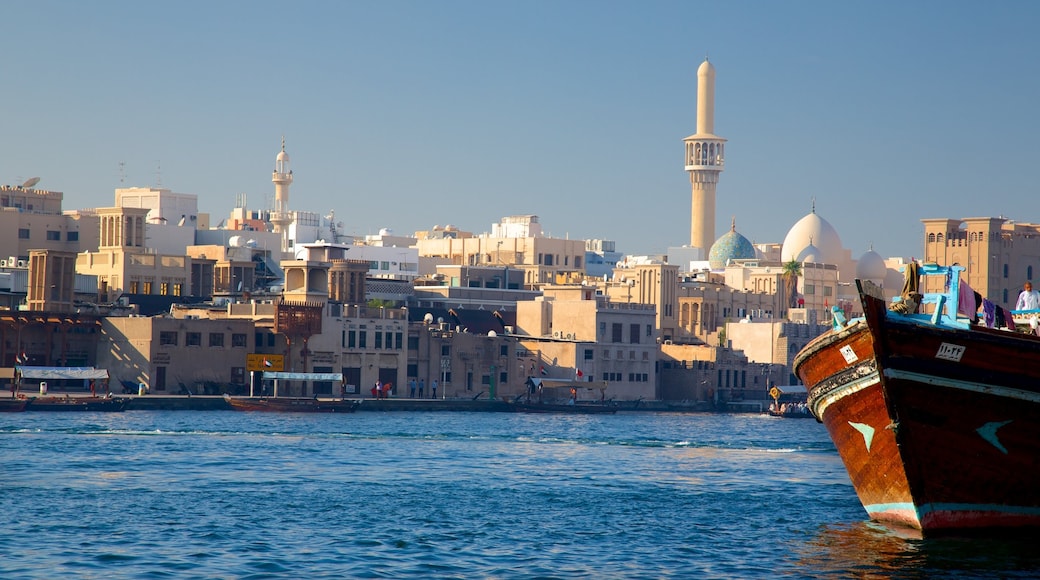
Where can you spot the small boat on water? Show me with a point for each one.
(564, 408)
(791, 413)
(936, 417)
(292, 404)
(13, 405)
(62, 404)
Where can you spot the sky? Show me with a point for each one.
(407, 114)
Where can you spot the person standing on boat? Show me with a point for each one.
(1029, 299)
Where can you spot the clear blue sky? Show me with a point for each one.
(410, 114)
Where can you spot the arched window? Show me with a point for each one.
(931, 237)
(939, 238)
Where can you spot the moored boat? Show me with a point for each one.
(13, 405)
(564, 408)
(292, 404)
(936, 419)
(62, 404)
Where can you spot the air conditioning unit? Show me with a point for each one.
(3, 263)
(21, 263)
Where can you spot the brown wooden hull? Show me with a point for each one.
(938, 427)
(76, 404)
(13, 405)
(291, 405)
(578, 409)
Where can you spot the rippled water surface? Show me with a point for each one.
(153, 494)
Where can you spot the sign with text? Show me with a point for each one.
(265, 362)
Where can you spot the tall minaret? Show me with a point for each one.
(704, 161)
(282, 177)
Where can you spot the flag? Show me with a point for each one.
(578, 373)
(544, 372)
(268, 363)
(21, 358)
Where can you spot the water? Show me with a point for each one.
(152, 494)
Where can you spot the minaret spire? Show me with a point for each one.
(704, 162)
(282, 178)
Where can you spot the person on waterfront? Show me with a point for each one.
(422, 387)
(93, 392)
(411, 388)
(1028, 299)
(377, 389)
(386, 389)
(433, 389)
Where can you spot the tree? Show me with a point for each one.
(792, 271)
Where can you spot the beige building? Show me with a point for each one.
(176, 355)
(998, 254)
(516, 242)
(574, 329)
(32, 219)
(656, 284)
(124, 264)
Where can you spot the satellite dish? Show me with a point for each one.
(30, 182)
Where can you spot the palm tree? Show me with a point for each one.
(792, 270)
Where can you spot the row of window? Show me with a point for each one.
(381, 340)
(216, 339)
(52, 236)
(617, 332)
(619, 377)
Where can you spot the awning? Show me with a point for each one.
(62, 373)
(278, 376)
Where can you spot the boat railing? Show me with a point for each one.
(943, 304)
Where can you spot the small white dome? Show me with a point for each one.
(871, 266)
(282, 156)
(812, 230)
(810, 254)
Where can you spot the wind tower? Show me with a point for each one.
(704, 161)
(282, 177)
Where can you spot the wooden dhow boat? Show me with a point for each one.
(936, 418)
(292, 404)
(73, 404)
(13, 404)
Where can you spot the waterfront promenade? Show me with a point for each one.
(217, 403)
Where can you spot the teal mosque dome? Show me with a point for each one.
(731, 246)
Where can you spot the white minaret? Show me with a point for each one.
(282, 177)
(704, 161)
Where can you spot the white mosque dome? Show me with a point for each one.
(871, 266)
(811, 254)
(812, 230)
(282, 156)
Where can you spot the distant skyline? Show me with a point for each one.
(406, 115)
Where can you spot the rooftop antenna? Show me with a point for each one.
(122, 172)
(158, 175)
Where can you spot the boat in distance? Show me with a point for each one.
(292, 404)
(74, 404)
(13, 404)
(935, 416)
(564, 408)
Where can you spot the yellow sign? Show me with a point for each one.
(774, 392)
(265, 362)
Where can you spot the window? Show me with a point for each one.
(238, 340)
(177, 286)
(503, 350)
(413, 344)
(23, 233)
(238, 375)
(352, 339)
(193, 339)
(649, 329)
(633, 334)
(379, 339)
(445, 350)
(53, 236)
(615, 331)
(400, 340)
(147, 288)
(134, 287)
(72, 236)
(168, 338)
(164, 288)
(362, 339)
(216, 339)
